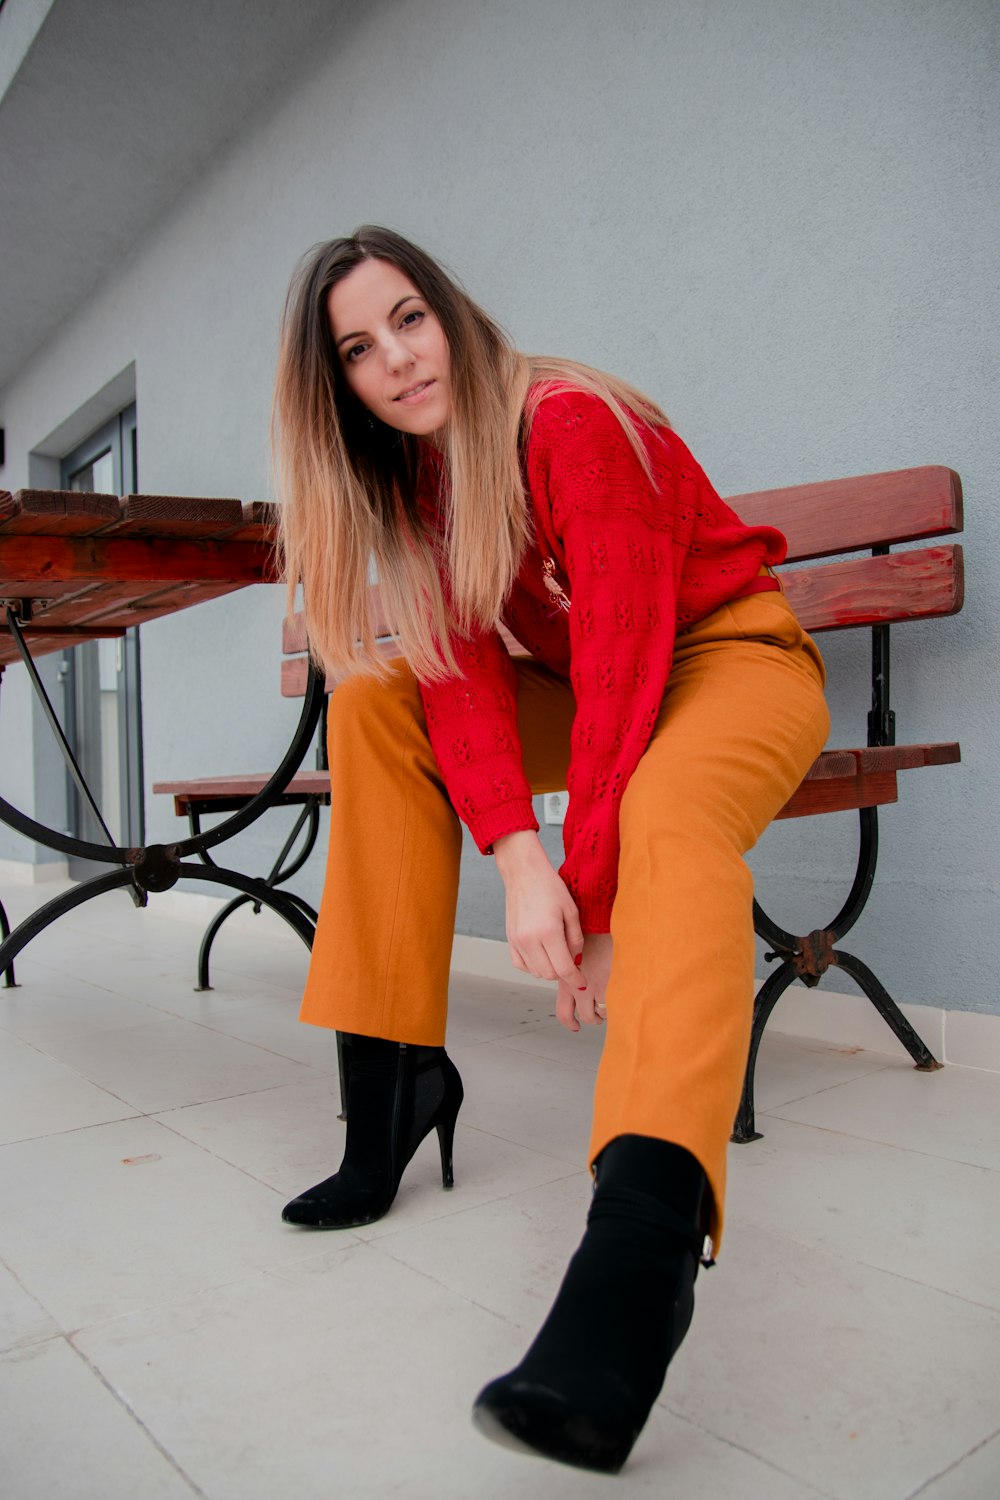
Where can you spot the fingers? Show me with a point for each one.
(545, 954)
(576, 1003)
(574, 932)
(566, 1009)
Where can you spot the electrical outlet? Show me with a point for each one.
(556, 804)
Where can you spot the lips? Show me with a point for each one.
(413, 392)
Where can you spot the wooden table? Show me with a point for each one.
(77, 567)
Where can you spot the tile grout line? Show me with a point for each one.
(443, 1286)
(815, 1247)
(729, 1442)
(154, 1114)
(871, 1140)
(468, 1208)
(143, 1428)
(828, 1088)
(914, 1494)
(58, 1331)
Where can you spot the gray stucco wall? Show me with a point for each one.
(779, 217)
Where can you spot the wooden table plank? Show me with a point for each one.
(260, 523)
(65, 512)
(39, 560)
(187, 516)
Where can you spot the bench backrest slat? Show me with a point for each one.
(820, 520)
(295, 671)
(293, 630)
(846, 515)
(918, 585)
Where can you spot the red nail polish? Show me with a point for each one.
(581, 987)
(578, 960)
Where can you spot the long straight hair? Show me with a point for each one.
(348, 482)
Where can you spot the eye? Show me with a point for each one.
(412, 317)
(354, 352)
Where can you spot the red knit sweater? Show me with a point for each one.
(636, 563)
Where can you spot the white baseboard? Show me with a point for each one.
(188, 906)
(22, 872)
(968, 1038)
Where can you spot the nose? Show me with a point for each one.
(396, 353)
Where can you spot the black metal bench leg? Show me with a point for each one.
(887, 1008)
(765, 1000)
(309, 819)
(10, 982)
(211, 933)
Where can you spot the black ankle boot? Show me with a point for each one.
(396, 1095)
(584, 1389)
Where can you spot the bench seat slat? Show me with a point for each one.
(838, 779)
(919, 585)
(841, 794)
(229, 793)
(846, 515)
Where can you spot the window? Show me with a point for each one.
(102, 706)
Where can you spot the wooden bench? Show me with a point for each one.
(868, 587)
(873, 589)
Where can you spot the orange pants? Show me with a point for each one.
(742, 720)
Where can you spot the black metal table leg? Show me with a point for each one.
(58, 907)
(157, 867)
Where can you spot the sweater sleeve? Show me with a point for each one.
(623, 539)
(472, 724)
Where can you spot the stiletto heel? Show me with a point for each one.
(397, 1094)
(446, 1139)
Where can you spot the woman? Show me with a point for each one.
(669, 687)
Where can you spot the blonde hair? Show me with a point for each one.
(348, 482)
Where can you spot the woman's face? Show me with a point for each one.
(392, 348)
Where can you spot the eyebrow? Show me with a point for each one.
(410, 297)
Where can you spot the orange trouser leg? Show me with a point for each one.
(382, 952)
(742, 720)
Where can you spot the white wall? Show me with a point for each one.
(778, 216)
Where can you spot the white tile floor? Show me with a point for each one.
(163, 1334)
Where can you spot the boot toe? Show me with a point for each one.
(535, 1418)
(300, 1211)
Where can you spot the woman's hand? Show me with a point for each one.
(583, 998)
(544, 932)
(543, 925)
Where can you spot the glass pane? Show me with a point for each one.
(98, 475)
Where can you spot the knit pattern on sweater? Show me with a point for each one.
(638, 560)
